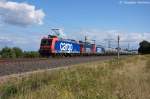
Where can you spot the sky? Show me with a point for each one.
(24, 22)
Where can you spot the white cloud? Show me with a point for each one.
(125, 38)
(24, 42)
(4, 41)
(21, 14)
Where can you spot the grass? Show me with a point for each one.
(123, 79)
(148, 64)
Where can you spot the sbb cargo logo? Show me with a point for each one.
(66, 47)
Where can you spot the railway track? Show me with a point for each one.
(17, 66)
(5, 60)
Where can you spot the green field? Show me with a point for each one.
(128, 78)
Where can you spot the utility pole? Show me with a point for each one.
(118, 49)
(109, 44)
(128, 46)
(85, 44)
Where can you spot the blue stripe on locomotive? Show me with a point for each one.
(67, 47)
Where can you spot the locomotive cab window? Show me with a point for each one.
(46, 42)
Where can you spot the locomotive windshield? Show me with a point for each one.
(46, 42)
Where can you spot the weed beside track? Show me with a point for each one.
(123, 79)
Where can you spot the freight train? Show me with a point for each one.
(54, 46)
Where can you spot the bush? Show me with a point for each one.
(31, 54)
(144, 47)
(8, 53)
(0, 54)
(18, 52)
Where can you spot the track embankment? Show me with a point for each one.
(17, 66)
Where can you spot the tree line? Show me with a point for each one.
(16, 52)
(144, 47)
